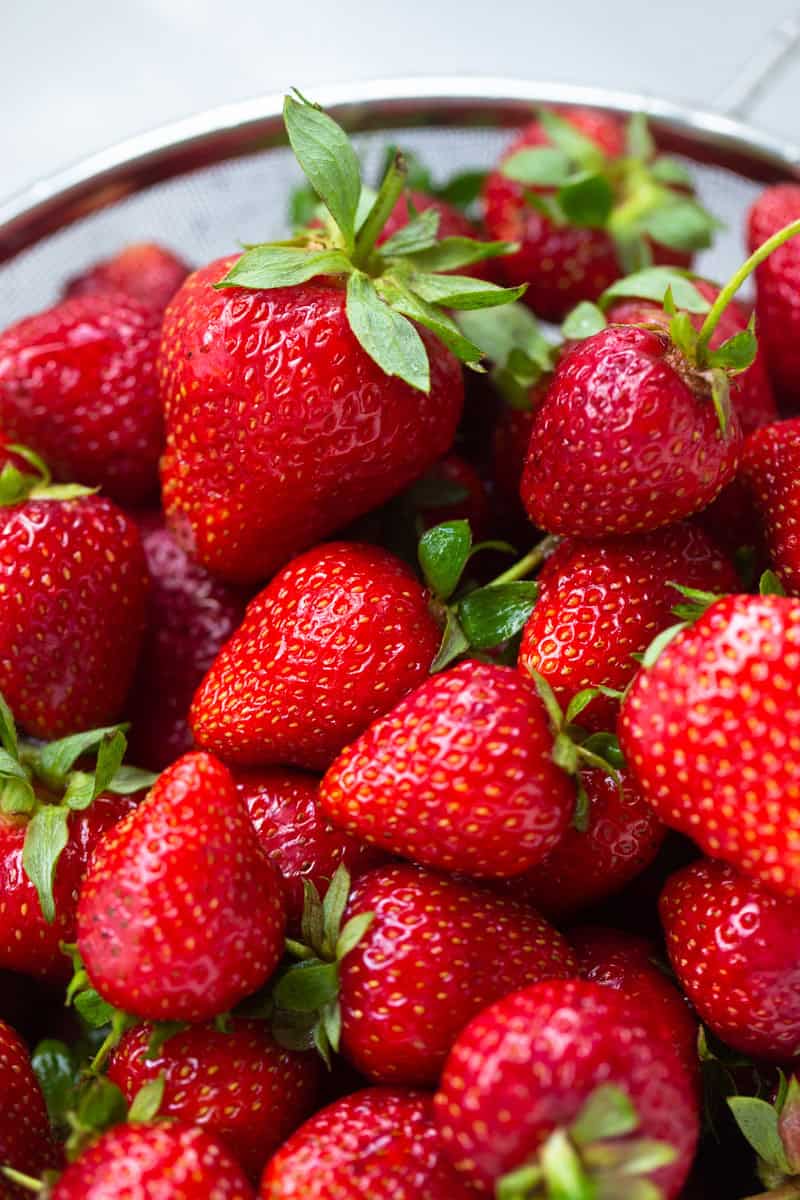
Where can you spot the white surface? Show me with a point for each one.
(77, 77)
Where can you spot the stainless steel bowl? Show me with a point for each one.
(202, 184)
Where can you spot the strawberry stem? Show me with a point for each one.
(533, 559)
(735, 282)
(22, 1180)
(390, 191)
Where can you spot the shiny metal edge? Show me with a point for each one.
(246, 126)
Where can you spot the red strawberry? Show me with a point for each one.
(339, 636)
(298, 839)
(778, 287)
(190, 617)
(770, 472)
(78, 384)
(240, 1086)
(710, 733)
(736, 951)
(525, 1070)
(459, 775)
(378, 1144)
(602, 603)
(26, 1143)
(148, 272)
(134, 1162)
(626, 440)
(622, 837)
(436, 953)
(186, 873)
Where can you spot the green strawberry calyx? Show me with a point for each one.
(391, 288)
(596, 1158)
(18, 484)
(41, 785)
(773, 1130)
(512, 340)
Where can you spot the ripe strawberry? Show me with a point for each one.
(78, 384)
(239, 1085)
(602, 603)
(296, 836)
(378, 1144)
(542, 1071)
(626, 440)
(458, 775)
(777, 284)
(185, 871)
(134, 1162)
(190, 616)
(736, 951)
(770, 463)
(26, 1143)
(709, 732)
(435, 954)
(74, 591)
(146, 271)
(339, 636)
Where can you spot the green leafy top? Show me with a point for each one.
(391, 289)
(18, 484)
(773, 1130)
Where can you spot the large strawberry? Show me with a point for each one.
(74, 590)
(336, 639)
(735, 949)
(184, 871)
(147, 271)
(78, 384)
(771, 474)
(458, 775)
(777, 288)
(307, 359)
(378, 1144)
(239, 1085)
(554, 1082)
(709, 732)
(26, 1142)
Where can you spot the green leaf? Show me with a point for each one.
(127, 780)
(282, 266)
(331, 1020)
(147, 1101)
(160, 1034)
(758, 1121)
(443, 553)
(352, 933)
(386, 336)
(15, 485)
(16, 795)
(721, 396)
(736, 354)
(8, 730)
(94, 1010)
(453, 252)
(680, 224)
(306, 986)
(312, 925)
(463, 189)
(563, 1171)
(770, 585)
(652, 284)
(57, 1073)
(55, 760)
(548, 699)
(101, 1105)
(333, 907)
(519, 1184)
(461, 291)
(80, 791)
(493, 614)
(660, 643)
(565, 753)
(671, 171)
(608, 1113)
(587, 200)
(683, 332)
(404, 301)
(419, 234)
(543, 166)
(501, 331)
(304, 206)
(565, 136)
(584, 320)
(638, 139)
(605, 746)
(109, 759)
(454, 643)
(45, 838)
(328, 159)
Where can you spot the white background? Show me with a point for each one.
(78, 76)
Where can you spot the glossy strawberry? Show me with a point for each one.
(770, 466)
(295, 834)
(338, 637)
(777, 288)
(26, 1143)
(735, 948)
(240, 1086)
(626, 440)
(147, 271)
(458, 775)
(131, 1162)
(602, 603)
(190, 616)
(378, 1144)
(436, 953)
(710, 732)
(526, 1066)
(186, 872)
(78, 384)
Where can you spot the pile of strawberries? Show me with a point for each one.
(408, 807)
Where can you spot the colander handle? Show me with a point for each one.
(757, 74)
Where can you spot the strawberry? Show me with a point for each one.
(78, 384)
(735, 948)
(186, 872)
(190, 616)
(75, 587)
(459, 775)
(378, 1144)
(770, 462)
(146, 271)
(237, 1085)
(337, 638)
(296, 836)
(537, 1083)
(709, 732)
(26, 1143)
(131, 1162)
(602, 603)
(308, 359)
(777, 283)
